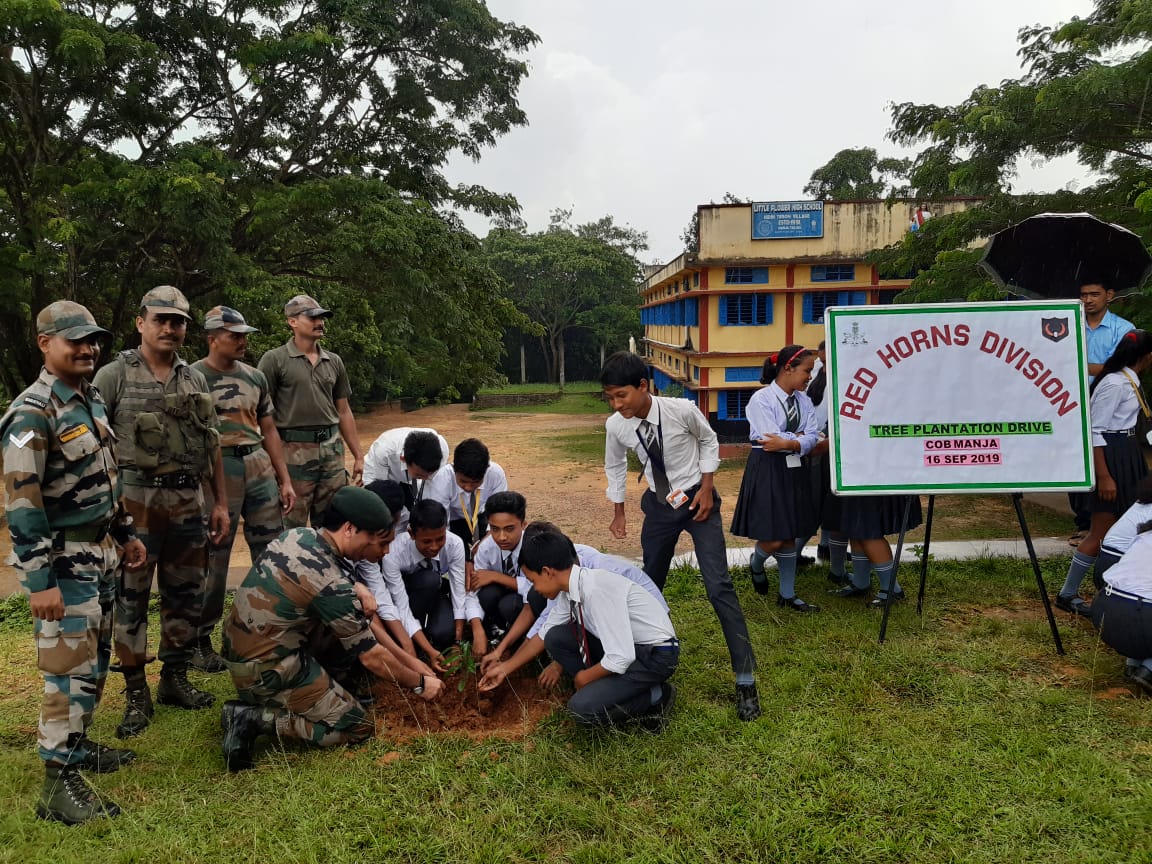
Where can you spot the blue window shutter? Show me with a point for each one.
(808, 317)
(692, 312)
(859, 298)
(724, 309)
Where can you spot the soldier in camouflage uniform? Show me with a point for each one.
(296, 620)
(310, 393)
(167, 446)
(64, 515)
(255, 475)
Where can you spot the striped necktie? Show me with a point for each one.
(791, 414)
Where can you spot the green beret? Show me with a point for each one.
(362, 508)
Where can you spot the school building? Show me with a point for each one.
(762, 277)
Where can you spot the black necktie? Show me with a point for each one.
(655, 458)
(508, 568)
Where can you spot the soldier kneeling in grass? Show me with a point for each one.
(297, 623)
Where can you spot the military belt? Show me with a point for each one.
(315, 436)
(240, 450)
(175, 480)
(92, 533)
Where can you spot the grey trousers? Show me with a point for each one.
(616, 699)
(662, 528)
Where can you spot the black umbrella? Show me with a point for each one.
(1051, 255)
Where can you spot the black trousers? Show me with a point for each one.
(662, 528)
(430, 599)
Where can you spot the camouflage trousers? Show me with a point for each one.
(317, 472)
(172, 524)
(253, 494)
(307, 704)
(72, 654)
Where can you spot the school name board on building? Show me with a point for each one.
(776, 220)
(962, 397)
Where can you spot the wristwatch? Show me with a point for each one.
(419, 688)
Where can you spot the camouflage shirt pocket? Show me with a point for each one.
(78, 448)
(65, 647)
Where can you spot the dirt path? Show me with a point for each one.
(566, 490)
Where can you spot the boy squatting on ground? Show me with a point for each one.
(626, 679)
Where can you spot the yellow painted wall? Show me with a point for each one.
(851, 230)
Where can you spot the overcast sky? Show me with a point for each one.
(644, 109)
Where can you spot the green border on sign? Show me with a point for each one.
(1070, 306)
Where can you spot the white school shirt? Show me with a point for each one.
(489, 556)
(690, 446)
(766, 416)
(442, 487)
(594, 559)
(1124, 531)
(1114, 406)
(385, 458)
(371, 576)
(620, 613)
(1133, 572)
(821, 409)
(403, 558)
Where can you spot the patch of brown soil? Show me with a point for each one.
(511, 712)
(1113, 693)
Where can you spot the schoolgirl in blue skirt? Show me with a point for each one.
(773, 507)
(1117, 403)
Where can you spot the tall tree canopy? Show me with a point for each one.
(570, 277)
(247, 149)
(859, 174)
(1084, 93)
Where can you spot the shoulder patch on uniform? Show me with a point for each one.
(33, 399)
(74, 433)
(22, 440)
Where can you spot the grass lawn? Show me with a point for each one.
(545, 387)
(570, 403)
(963, 739)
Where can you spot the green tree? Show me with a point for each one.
(140, 142)
(1084, 93)
(859, 174)
(567, 277)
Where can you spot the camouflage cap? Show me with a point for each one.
(227, 318)
(302, 304)
(362, 508)
(166, 300)
(67, 319)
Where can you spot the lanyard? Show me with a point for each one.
(475, 517)
(1139, 395)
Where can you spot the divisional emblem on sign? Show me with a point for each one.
(1054, 329)
(855, 337)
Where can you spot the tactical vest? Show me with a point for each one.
(170, 432)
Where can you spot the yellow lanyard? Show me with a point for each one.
(475, 517)
(1139, 395)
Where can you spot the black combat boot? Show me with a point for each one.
(175, 689)
(242, 724)
(138, 705)
(205, 657)
(98, 758)
(66, 797)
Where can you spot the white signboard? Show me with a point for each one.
(958, 397)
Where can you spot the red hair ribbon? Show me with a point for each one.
(774, 357)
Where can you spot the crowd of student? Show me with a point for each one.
(422, 548)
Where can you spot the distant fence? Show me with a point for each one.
(505, 400)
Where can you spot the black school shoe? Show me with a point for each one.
(879, 602)
(747, 702)
(657, 720)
